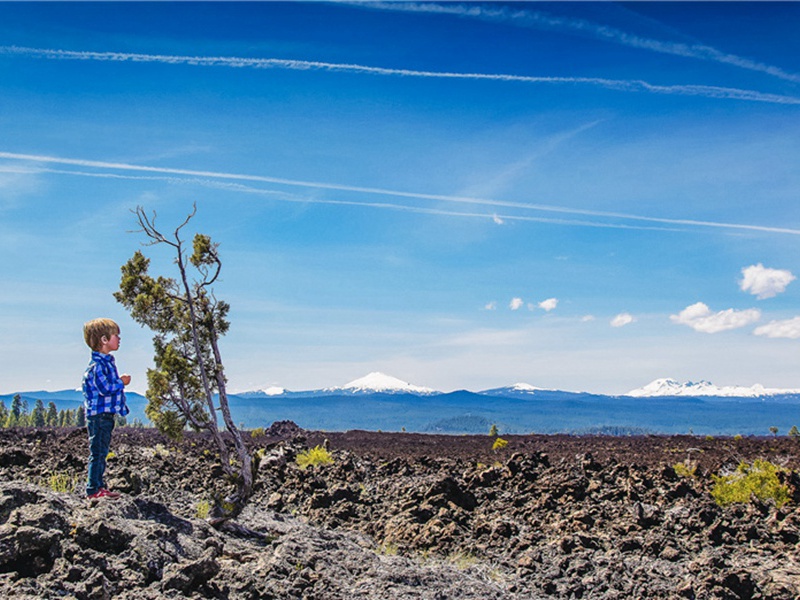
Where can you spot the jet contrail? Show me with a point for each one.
(544, 21)
(626, 85)
(386, 192)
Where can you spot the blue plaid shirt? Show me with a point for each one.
(103, 390)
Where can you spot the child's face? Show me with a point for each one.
(110, 344)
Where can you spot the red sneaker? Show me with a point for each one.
(103, 493)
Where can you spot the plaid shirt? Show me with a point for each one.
(103, 390)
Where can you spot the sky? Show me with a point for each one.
(578, 196)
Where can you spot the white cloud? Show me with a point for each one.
(587, 318)
(515, 304)
(789, 328)
(700, 318)
(622, 319)
(490, 305)
(763, 282)
(548, 304)
(497, 219)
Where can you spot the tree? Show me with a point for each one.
(773, 430)
(3, 414)
(15, 414)
(80, 417)
(38, 415)
(52, 415)
(188, 321)
(794, 432)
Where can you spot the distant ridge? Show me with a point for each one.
(671, 387)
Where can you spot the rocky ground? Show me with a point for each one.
(397, 516)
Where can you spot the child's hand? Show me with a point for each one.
(126, 379)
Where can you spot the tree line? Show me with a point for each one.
(20, 415)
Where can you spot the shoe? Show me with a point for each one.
(103, 493)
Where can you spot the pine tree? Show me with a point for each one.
(15, 414)
(3, 414)
(80, 417)
(188, 321)
(38, 415)
(52, 415)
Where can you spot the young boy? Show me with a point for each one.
(104, 397)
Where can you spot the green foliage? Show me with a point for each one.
(187, 321)
(794, 432)
(62, 482)
(773, 430)
(737, 437)
(759, 479)
(493, 432)
(203, 509)
(685, 469)
(257, 432)
(313, 457)
(499, 444)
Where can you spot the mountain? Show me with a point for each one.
(671, 387)
(377, 382)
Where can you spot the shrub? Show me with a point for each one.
(203, 508)
(759, 479)
(685, 469)
(499, 444)
(257, 432)
(493, 431)
(314, 456)
(62, 482)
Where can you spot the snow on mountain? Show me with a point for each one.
(379, 382)
(671, 387)
(274, 391)
(525, 387)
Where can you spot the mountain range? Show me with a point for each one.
(381, 402)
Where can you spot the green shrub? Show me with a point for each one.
(493, 432)
(203, 508)
(759, 479)
(685, 469)
(499, 444)
(62, 482)
(314, 456)
(259, 431)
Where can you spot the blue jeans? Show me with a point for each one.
(100, 428)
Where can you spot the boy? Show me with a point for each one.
(104, 397)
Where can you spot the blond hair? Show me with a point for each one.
(95, 330)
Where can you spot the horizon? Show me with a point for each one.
(578, 196)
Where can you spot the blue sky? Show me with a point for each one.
(582, 196)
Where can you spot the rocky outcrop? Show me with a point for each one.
(381, 524)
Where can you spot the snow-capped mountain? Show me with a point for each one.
(380, 382)
(671, 387)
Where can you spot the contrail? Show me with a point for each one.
(625, 85)
(214, 175)
(540, 20)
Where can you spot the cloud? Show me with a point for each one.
(587, 318)
(763, 282)
(490, 305)
(497, 220)
(789, 328)
(622, 319)
(217, 175)
(624, 85)
(548, 304)
(515, 304)
(700, 318)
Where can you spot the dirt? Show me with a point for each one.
(397, 516)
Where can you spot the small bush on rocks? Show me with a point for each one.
(759, 479)
(313, 457)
